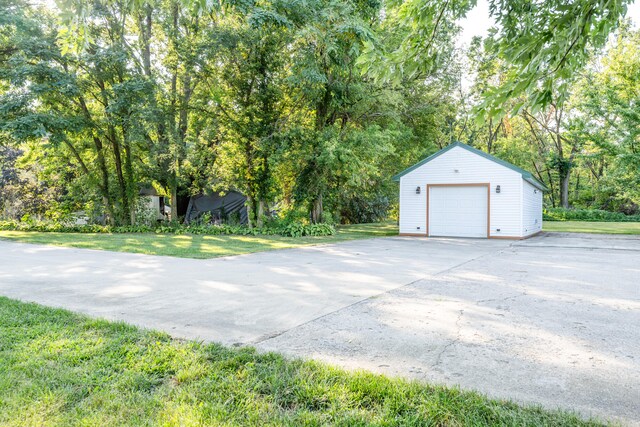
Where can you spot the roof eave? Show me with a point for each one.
(540, 186)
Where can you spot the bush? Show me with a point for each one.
(360, 210)
(297, 229)
(145, 215)
(286, 229)
(597, 215)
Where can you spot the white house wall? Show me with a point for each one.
(506, 213)
(532, 209)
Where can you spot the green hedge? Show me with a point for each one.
(596, 215)
(292, 229)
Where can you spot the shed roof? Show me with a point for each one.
(527, 176)
(148, 191)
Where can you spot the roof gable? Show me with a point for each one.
(527, 176)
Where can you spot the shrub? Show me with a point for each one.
(286, 229)
(359, 210)
(561, 214)
(297, 229)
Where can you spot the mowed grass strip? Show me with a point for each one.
(196, 246)
(199, 246)
(592, 227)
(60, 368)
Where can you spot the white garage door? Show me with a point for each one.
(458, 211)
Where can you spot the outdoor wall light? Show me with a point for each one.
(497, 188)
(535, 191)
(417, 190)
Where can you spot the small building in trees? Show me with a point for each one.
(461, 191)
(153, 202)
(228, 207)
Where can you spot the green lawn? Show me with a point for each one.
(63, 369)
(196, 246)
(593, 227)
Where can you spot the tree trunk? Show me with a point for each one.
(102, 165)
(174, 200)
(146, 26)
(131, 185)
(261, 209)
(122, 186)
(491, 134)
(564, 190)
(109, 214)
(249, 204)
(565, 168)
(316, 210)
(112, 137)
(171, 116)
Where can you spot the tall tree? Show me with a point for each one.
(328, 47)
(609, 122)
(250, 101)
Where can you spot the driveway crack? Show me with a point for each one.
(453, 342)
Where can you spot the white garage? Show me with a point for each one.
(461, 191)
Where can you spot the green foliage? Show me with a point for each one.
(417, 40)
(608, 97)
(595, 215)
(544, 44)
(24, 190)
(287, 229)
(144, 214)
(275, 99)
(296, 229)
(583, 149)
(50, 227)
(361, 210)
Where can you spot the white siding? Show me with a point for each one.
(506, 212)
(153, 205)
(413, 207)
(532, 209)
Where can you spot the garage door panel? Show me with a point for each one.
(458, 211)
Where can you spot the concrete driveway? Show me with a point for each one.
(551, 320)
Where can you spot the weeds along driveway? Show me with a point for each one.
(551, 320)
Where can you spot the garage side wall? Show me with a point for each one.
(506, 206)
(532, 209)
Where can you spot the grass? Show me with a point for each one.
(59, 368)
(593, 227)
(196, 246)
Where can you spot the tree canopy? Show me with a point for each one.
(307, 107)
